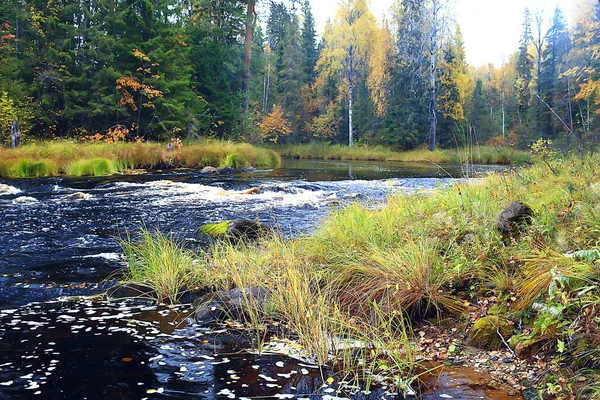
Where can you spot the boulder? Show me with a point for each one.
(254, 190)
(229, 304)
(226, 171)
(237, 229)
(209, 170)
(514, 218)
(484, 333)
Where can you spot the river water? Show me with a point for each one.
(59, 239)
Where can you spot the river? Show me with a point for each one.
(59, 243)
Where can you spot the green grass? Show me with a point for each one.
(163, 265)
(366, 274)
(93, 167)
(476, 155)
(79, 159)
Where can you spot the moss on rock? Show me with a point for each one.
(218, 230)
(484, 333)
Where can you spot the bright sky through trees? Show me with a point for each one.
(490, 28)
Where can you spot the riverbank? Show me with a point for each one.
(100, 159)
(435, 270)
(475, 155)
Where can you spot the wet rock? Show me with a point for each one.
(209, 170)
(130, 291)
(229, 304)
(254, 190)
(484, 333)
(526, 347)
(237, 229)
(514, 218)
(247, 170)
(226, 171)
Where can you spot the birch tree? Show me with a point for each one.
(349, 41)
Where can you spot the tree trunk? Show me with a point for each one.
(432, 92)
(248, 53)
(350, 94)
(15, 134)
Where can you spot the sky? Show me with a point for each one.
(491, 28)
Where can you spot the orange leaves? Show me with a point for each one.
(128, 86)
(275, 125)
(112, 135)
(140, 55)
(133, 90)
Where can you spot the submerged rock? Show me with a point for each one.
(130, 291)
(230, 304)
(514, 218)
(226, 171)
(25, 200)
(484, 333)
(209, 170)
(78, 196)
(238, 229)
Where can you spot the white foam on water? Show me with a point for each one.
(25, 200)
(202, 194)
(107, 256)
(6, 190)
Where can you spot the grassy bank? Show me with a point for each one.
(78, 159)
(369, 275)
(476, 155)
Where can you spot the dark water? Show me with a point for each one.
(58, 238)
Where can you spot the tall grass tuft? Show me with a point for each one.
(71, 158)
(162, 264)
(93, 167)
(31, 168)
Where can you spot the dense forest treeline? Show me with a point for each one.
(158, 69)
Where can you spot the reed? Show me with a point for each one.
(78, 159)
(473, 155)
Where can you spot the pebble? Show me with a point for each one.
(507, 360)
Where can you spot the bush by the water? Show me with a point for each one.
(78, 159)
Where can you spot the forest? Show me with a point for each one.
(230, 69)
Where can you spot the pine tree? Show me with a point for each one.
(452, 83)
(553, 85)
(524, 68)
(309, 43)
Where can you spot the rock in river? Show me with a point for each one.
(209, 170)
(237, 229)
